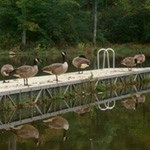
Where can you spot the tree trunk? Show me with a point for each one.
(24, 36)
(95, 22)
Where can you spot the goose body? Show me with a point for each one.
(26, 131)
(82, 111)
(140, 58)
(26, 71)
(140, 98)
(57, 122)
(129, 62)
(5, 70)
(81, 62)
(130, 103)
(57, 68)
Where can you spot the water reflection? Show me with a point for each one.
(132, 103)
(27, 131)
(140, 98)
(96, 129)
(83, 110)
(58, 122)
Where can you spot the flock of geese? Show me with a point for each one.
(27, 71)
(80, 62)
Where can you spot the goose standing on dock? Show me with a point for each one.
(129, 62)
(57, 68)
(5, 71)
(81, 62)
(26, 71)
(27, 131)
(58, 122)
(140, 58)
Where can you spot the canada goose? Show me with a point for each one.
(5, 70)
(130, 103)
(140, 98)
(81, 62)
(58, 122)
(57, 68)
(140, 58)
(27, 131)
(26, 71)
(129, 62)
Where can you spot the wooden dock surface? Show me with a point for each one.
(44, 81)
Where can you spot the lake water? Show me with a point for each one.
(111, 123)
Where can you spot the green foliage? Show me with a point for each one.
(70, 22)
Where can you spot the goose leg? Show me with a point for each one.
(27, 81)
(24, 81)
(4, 81)
(80, 72)
(130, 69)
(56, 78)
(64, 135)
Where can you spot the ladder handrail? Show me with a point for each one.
(107, 105)
(105, 54)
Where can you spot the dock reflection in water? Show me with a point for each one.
(91, 130)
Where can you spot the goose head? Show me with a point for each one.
(63, 53)
(36, 61)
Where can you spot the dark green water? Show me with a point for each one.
(113, 129)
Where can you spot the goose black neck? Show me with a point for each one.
(82, 56)
(35, 62)
(63, 58)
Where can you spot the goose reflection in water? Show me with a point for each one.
(133, 102)
(82, 111)
(27, 131)
(130, 103)
(140, 98)
(58, 122)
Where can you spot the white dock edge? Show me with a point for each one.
(48, 81)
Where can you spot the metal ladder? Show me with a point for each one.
(105, 56)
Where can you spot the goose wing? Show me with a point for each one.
(53, 69)
(24, 71)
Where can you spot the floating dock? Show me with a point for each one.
(45, 97)
(37, 83)
(36, 112)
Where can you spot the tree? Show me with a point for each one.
(95, 22)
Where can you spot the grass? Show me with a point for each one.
(120, 49)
